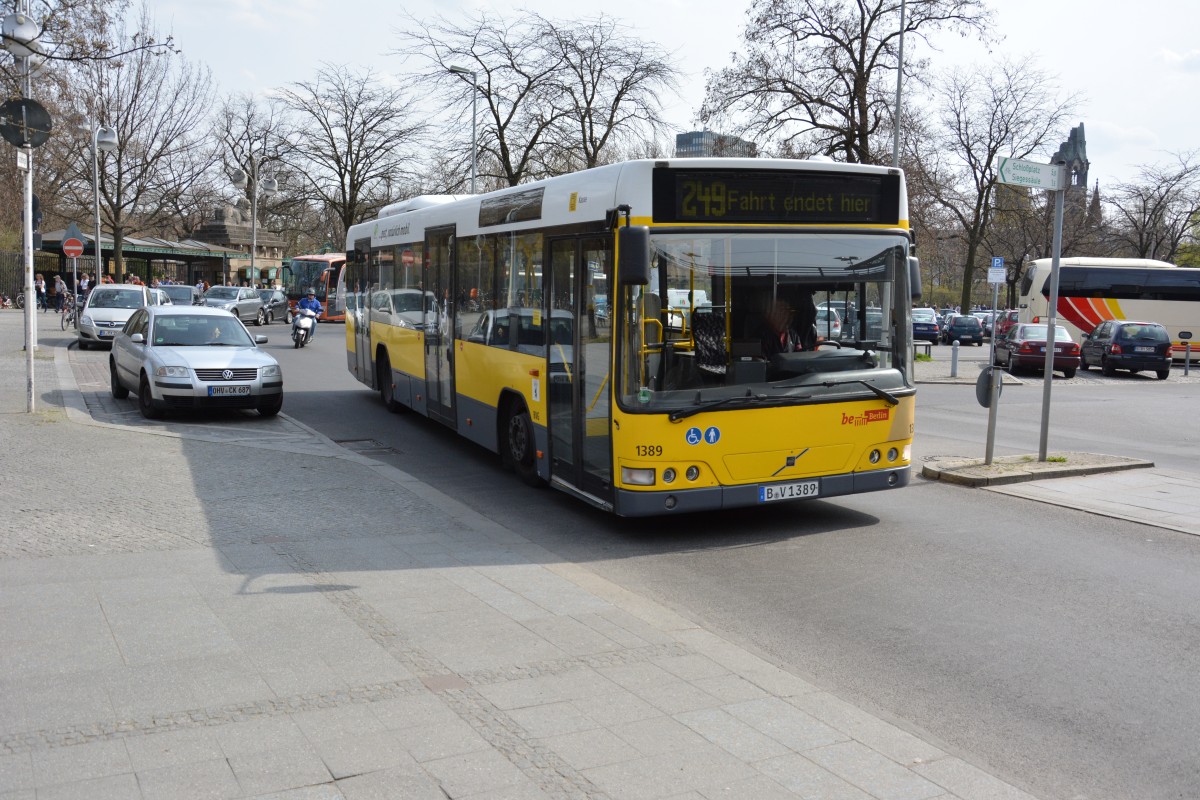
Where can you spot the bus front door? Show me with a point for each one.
(579, 359)
(439, 325)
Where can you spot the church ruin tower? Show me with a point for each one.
(1074, 152)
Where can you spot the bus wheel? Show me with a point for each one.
(520, 450)
(387, 390)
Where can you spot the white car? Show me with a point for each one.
(191, 357)
(107, 310)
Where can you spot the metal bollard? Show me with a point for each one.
(1187, 358)
(954, 359)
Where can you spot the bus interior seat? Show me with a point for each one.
(708, 327)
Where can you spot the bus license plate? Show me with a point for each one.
(788, 491)
(226, 391)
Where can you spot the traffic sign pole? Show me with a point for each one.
(1052, 177)
(997, 271)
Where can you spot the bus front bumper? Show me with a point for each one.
(656, 503)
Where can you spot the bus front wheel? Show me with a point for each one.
(520, 449)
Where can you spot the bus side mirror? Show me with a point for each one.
(914, 277)
(633, 244)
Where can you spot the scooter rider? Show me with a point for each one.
(314, 305)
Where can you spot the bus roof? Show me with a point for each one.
(575, 198)
(327, 257)
(1089, 261)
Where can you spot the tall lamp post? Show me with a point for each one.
(102, 139)
(20, 34)
(474, 116)
(268, 186)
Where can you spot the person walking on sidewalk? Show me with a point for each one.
(60, 293)
(39, 287)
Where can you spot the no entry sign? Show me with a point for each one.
(72, 248)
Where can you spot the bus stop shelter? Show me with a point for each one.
(148, 257)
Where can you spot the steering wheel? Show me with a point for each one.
(832, 342)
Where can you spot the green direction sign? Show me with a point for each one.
(1031, 174)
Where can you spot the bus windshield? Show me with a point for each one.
(764, 316)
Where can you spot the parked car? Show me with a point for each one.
(243, 302)
(829, 324)
(183, 295)
(190, 357)
(1004, 321)
(925, 325)
(965, 329)
(275, 304)
(160, 298)
(107, 310)
(1024, 347)
(1124, 344)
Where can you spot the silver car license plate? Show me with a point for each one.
(226, 391)
(788, 491)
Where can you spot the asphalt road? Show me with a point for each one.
(1055, 648)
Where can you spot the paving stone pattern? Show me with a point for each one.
(190, 610)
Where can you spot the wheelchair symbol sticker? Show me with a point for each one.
(695, 436)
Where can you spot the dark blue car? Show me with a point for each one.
(925, 325)
(964, 329)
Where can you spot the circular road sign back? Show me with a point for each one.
(72, 248)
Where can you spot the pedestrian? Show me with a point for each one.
(39, 287)
(60, 293)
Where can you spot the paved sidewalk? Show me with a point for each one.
(169, 632)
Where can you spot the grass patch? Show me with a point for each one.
(924, 357)
(1057, 459)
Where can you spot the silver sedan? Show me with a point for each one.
(191, 357)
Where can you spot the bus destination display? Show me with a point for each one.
(683, 195)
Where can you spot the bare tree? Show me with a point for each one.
(349, 141)
(516, 80)
(1008, 109)
(1155, 212)
(611, 84)
(817, 76)
(158, 106)
(68, 31)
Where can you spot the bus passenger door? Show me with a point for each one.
(439, 325)
(579, 380)
(358, 321)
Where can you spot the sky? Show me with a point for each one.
(1135, 66)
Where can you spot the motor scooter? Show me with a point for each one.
(303, 325)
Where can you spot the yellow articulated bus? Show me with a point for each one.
(654, 336)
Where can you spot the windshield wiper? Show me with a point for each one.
(880, 393)
(675, 416)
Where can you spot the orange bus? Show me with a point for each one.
(322, 274)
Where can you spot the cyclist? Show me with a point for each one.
(314, 305)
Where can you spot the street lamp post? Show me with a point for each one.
(102, 139)
(268, 186)
(474, 116)
(20, 34)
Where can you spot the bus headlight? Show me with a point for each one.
(693, 472)
(875, 456)
(893, 454)
(637, 477)
(669, 475)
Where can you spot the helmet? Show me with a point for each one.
(312, 293)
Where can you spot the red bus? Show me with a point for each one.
(321, 273)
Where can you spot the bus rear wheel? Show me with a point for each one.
(520, 449)
(387, 389)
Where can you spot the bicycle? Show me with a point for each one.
(70, 312)
(20, 300)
